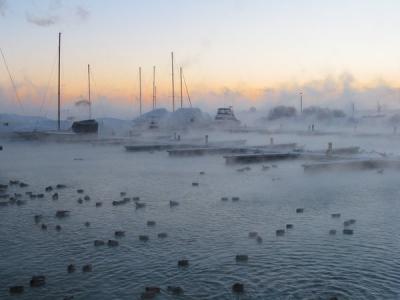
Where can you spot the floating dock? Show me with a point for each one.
(209, 150)
(181, 145)
(353, 164)
(260, 157)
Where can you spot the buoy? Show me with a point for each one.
(183, 263)
(238, 287)
(37, 281)
(87, 268)
(241, 258)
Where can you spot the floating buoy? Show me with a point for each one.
(238, 287)
(241, 258)
(183, 263)
(37, 281)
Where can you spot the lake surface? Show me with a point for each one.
(305, 263)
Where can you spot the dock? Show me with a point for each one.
(212, 150)
(175, 145)
(352, 164)
(260, 157)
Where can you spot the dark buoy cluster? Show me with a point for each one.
(183, 263)
(175, 290)
(87, 268)
(195, 184)
(299, 210)
(335, 216)
(119, 233)
(242, 258)
(143, 238)
(16, 289)
(98, 243)
(253, 234)
(125, 200)
(38, 281)
(71, 268)
(151, 223)
(280, 232)
(235, 199)
(62, 213)
(150, 292)
(139, 205)
(162, 235)
(349, 222)
(238, 288)
(112, 243)
(173, 203)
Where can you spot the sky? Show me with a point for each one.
(233, 52)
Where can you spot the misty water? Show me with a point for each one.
(305, 263)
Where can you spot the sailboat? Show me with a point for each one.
(90, 125)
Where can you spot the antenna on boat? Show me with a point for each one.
(173, 85)
(59, 82)
(154, 87)
(140, 90)
(90, 101)
(180, 73)
(301, 102)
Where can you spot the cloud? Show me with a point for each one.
(82, 13)
(43, 21)
(3, 7)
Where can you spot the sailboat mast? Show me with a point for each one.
(301, 102)
(180, 73)
(154, 87)
(140, 90)
(173, 85)
(59, 82)
(90, 101)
